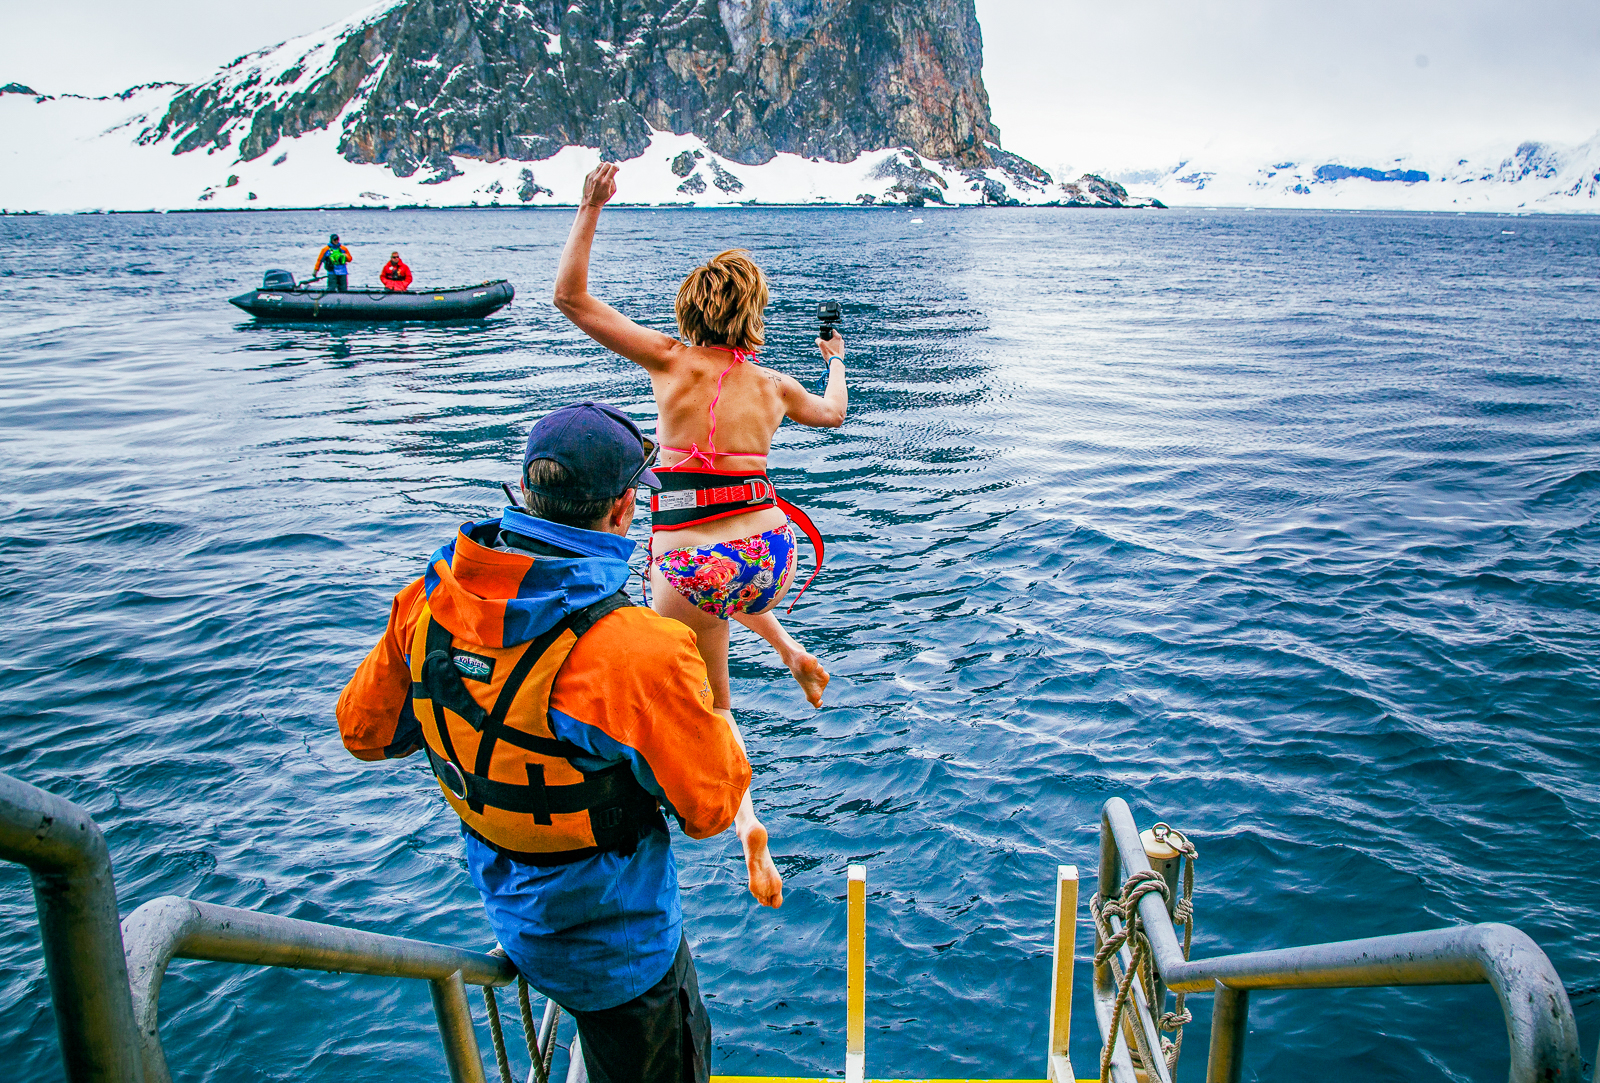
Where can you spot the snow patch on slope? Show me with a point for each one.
(78, 154)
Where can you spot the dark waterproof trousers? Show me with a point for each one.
(660, 1036)
(339, 283)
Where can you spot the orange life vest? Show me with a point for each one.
(502, 769)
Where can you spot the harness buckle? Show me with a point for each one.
(454, 780)
(607, 818)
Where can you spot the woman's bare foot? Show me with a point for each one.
(765, 883)
(812, 677)
(805, 667)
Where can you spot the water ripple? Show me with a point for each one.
(1284, 527)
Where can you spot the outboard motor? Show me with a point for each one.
(278, 280)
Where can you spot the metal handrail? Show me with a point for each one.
(76, 898)
(106, 994)
(169, 927)
(1539, 1022)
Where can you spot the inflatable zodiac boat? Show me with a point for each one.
(281, 298)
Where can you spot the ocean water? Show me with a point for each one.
(1284, 527)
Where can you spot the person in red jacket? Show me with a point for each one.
(395, 274)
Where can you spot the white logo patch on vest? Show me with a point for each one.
(475, 667)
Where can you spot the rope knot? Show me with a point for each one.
(1139, 969)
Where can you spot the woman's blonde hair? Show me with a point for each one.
(722, 301)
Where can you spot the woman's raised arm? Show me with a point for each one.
(594, 317)
(827, 409)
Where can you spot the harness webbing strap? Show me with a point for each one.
(441, 683)
(803, 521)
(528, 742)
(538, 795)
(753, 492)
(590, 615)
(438, 641)
(539, 800)
(495, 724)
(442, 686)
(691, 497)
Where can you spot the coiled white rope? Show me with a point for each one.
(1125, 908)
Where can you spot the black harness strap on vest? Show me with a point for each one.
(441, 681)
(438, 686)
(618, 806)
(495, 728)
(598, 790)
(495, 725)
(589, 616)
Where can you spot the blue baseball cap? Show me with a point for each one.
(599, 444)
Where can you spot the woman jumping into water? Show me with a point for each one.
(721, 546)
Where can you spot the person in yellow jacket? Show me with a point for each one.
(336, 258)
(560, 720)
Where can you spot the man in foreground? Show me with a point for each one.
(558, 718)
(336, 258)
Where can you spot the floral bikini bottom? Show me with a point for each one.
(742, 576)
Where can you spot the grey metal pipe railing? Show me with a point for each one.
(170, 927)
(76, 899)
(1539, 1022)
(1229, 1016)
(1105, 995)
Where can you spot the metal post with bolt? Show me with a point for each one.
(66, 855)
(1229, 1020)
(1166, 859)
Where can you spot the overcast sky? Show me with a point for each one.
(1074, 85)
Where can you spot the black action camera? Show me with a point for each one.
(828, 314)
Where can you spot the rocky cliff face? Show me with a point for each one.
(424, 80)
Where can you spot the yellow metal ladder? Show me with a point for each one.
(1058, 1067)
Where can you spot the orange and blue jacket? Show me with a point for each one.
(339, 269)
(598, 931)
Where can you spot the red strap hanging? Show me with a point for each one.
(810, 529)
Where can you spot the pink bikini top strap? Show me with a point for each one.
(708, 456)
(711, 437)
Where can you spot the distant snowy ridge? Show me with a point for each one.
(1531, 178)
(69, 153)
(511, 102)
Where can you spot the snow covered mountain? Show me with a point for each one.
(461, 102)
(1532, 177)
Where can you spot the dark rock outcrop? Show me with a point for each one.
(1093, 190)
(493, 79)
(529, 187)
(915, 184)
(1328, 173)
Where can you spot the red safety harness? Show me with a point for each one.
(692, 497)
(689, 497)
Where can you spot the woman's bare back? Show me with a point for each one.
(749, 407)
